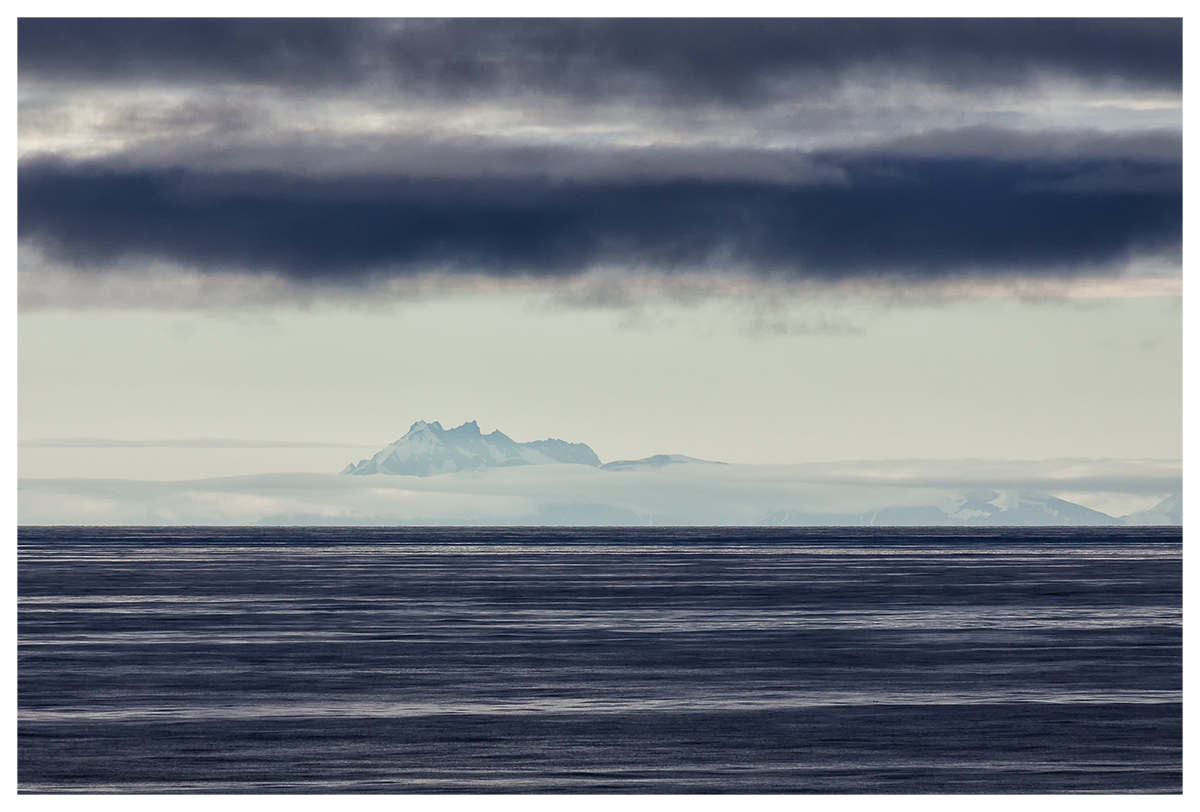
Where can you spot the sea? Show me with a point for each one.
(599, 660)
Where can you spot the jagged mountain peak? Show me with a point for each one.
(428, 449)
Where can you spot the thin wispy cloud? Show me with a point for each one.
(182, 442)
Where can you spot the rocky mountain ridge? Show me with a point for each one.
(428, 449)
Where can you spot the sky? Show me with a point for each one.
(252, 246)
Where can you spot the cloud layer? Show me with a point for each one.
(339, 154)
(577, 494)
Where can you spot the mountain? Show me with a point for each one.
(428, 449)
(1168, 511)
(657, 461)
(982, 508)
(1008, 509)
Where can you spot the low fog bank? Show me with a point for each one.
(1056, 492)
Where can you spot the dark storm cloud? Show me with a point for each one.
(263, 180)
(730, 60)
(301, 52)
(907, 218)
(984, 141)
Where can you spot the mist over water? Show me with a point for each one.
(746, 660)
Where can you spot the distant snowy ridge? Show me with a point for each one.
(1168, 511)
(989, 508)
(657, 461)
(428, 449)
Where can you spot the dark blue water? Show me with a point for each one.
(600, 660)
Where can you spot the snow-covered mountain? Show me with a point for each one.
(657, 461)
(1012, 509)
(428, 449)
(1168, 511)
(982, 508)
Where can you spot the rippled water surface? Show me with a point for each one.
(600, 660)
